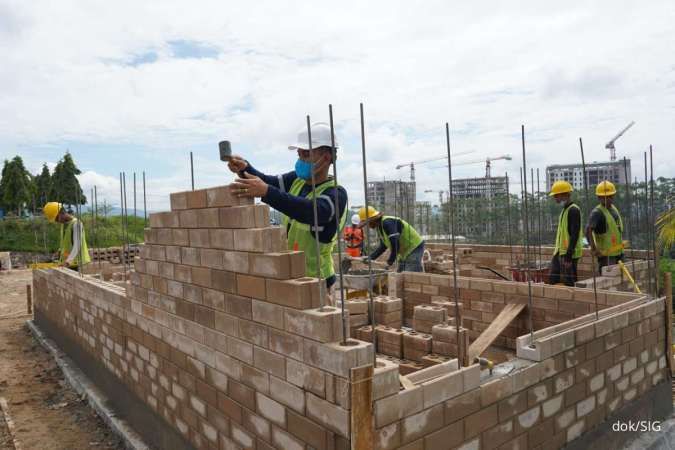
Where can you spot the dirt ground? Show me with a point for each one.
(47, 414)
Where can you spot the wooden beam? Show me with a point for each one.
(668, 287)
(362, 429)
(505, 317)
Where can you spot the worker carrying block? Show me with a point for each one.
(291, 194)
(353, 236)
(405, 244)
(605, 228)
(568, 242)
(73, 249)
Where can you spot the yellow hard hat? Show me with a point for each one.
(372, 213)
(51, 210)
(605, 189)
(560, 187)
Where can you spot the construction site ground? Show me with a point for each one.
(45, 411)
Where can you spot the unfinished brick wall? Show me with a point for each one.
(593, 370)
(218, 332)
(482, 299)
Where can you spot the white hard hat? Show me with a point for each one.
(356, 219)
(320, 137)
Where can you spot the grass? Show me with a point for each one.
(37, 235)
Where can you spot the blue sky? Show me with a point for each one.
(132, 87)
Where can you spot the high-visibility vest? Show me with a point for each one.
(301, 235)
(562, 238)
(353, 236)
(66, 244)
(407, 242)
(610, 243)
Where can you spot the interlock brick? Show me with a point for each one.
(260, 240)
(180, 237)
(322, 326)
(310, 378)
(236, 261)
(252, 216)
(278, 265)
(249, 286)
(188, 218)
(300, 293)
(178, 201)
(221, 238)
(201, 276)
(224, 281)
(416, 345)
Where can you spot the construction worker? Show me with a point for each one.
(353, 236)
(291, 194)
(568, 241)
(405, 244)
(605, 227)
(73, 249)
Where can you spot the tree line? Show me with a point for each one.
(22, 191)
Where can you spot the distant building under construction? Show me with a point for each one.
(614, 171)
(394, 197)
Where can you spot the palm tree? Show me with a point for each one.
(665, 224)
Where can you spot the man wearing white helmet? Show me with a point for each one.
(291, 194)
(353, 236)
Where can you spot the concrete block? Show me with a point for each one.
(221, 238)
(336, 358)
(385, 379)
(260, 240)
(315, 324)
(327, 414)
(278, 265)
(252, 216)
(300, 293)
(196, 199)
(178, 201)
(443, 388)
(249, 286)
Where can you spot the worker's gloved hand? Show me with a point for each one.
(236, 164)
(249, 186)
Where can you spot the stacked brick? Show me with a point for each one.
(483, 299)
(604, 366)
(445, 338)
(357, 309)
(388, 311)
(219, 332)
(426, 316)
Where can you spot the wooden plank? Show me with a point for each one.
(505, 317)
(668, 286)
(405, 382)
(362, 430)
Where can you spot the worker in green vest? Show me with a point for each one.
(568, 241)
(73, 250)
(605, 227)
(291, 194)
(406, 246)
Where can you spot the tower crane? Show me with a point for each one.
(610, 144)
(440, 194)
(487, 162)
(424, 161)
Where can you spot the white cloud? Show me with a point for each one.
(565, 70)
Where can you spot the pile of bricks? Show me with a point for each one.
(218, 332)
(426, 316)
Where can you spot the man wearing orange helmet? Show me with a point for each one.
(605, 227)
(73, 250)
(568, 243)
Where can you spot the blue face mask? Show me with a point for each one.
(303, 169)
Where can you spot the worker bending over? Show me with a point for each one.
(291, 194)
(405, 244)
(73, 248)
(353, 236)
(568, 242)
(605, 228)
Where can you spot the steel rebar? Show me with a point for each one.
(595, 286)
(337, 227)
(647, 225)
(322, 300)
(508, 220)
(651, 229)
(527, 239)
(371, 304)
(539, 221)
(192, 171)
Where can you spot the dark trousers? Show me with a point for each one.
(604, 261)
(561, 274)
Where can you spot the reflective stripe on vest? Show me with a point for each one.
(66, 246)
(408, 241)
(301, 235)
(609, 243)
(562, 238)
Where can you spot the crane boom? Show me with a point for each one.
(424, 161)
(610, 144)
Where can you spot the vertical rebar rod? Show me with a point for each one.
(192, 171)
(533, 248)
(595, 286)
(145, 204)
(629, 209)
(539, 213)
(93, 222)
(125, 217)
(124, 269)
(651, 222)
(527, 239)
(134, 196)
(508, 220)
(322, 300)
(337, 227)
(79, 229)
(365, 236)
(522, 219)
(451, 217)
(96, 224)
(647, 225)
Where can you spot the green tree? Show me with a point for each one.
(16, 185)
(43, 186)
(65, 188)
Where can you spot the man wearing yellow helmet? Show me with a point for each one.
(568, 243)
(73, 248)
(605, 227)
(405, 244)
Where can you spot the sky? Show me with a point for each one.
(136, 86)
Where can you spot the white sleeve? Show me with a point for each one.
(76, 244)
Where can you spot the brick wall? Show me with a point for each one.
(482, 300)
(544, 404)
(218, 333)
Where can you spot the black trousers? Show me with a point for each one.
(608, 261)
(560, 274)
